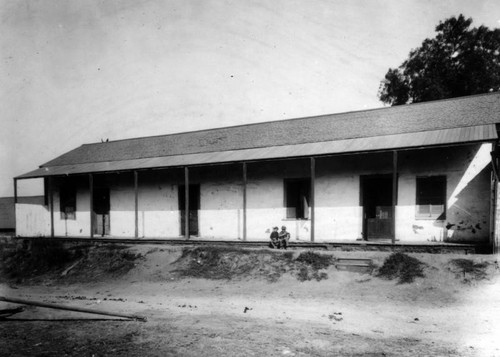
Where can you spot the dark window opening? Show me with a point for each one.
(297, 198)
(431, 197)
(67, 201)
(101, 207)
(194, 207)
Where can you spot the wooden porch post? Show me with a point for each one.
(313, 179)
(91, 206)
(136, 203)
(186, 204)
(493, 195)
(494, 191)
(15, 191)
(394, 192)
(15, 202)
(51, 203)
(244, 201)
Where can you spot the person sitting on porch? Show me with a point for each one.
(274, 243)
(283, 238)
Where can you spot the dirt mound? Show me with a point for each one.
(53, 260)
(468, 270)
(233, 263)
(403, 267)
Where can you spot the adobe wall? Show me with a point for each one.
(468, 171)
(338, 208)
(33, 218)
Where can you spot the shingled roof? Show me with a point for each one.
(444, 114)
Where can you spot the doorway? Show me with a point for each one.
(101, 211)
(194, 207)
(376, 199)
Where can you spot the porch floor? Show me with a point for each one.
(375, 245)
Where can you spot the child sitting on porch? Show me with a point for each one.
(274, 243)
(283, 238)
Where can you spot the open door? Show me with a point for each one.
(376, 196)
(194, 207)
(101, 211)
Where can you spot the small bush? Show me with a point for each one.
(214, 262)
(476, 271)
(310, 263)
(37, 258)
(303, 274)
(403, 267)
(316, 261)
(226, 263)
(48, 259)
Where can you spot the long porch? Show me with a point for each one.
(381, 245)
(420, 196)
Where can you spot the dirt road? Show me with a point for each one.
(348, 314)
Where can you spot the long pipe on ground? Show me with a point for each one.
(68, 308)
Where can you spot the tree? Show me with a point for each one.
(459, 61)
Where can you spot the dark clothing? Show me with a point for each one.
(274, 240)
(283, 238)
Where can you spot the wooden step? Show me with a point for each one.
(356, 265)
(354, 261)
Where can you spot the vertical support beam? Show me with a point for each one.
(244, 201)
(493, 195)
(136, 203)
(15, 191)
(312, 204)
(495, 221)
(91, 205)
(15, 202)
(51, 203)
(394, 193)
(186, 202)
(494, 201)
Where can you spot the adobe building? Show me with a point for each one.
(421, 173)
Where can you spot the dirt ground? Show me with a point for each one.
(265, 310)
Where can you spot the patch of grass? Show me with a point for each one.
(120, 261)
(49, 259)
(476, 271)
(316, 261)
(37, 258)
(403, 267)
(303, 274)
(310, 264)
(214, 262)
(226, 263)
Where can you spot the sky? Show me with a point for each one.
(78, 71)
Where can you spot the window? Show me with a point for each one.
(67, 201)
(297, 196)
(431, 197)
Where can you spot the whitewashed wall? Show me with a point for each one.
(158, 214)
(467, 170)
(32, 220)
(78, 227)
(265, 199)
(338, 209)
(221, 215)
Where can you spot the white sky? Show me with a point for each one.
(76, 71)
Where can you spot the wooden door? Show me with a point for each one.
(194, 207)
(101, 211)
(377, 206)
